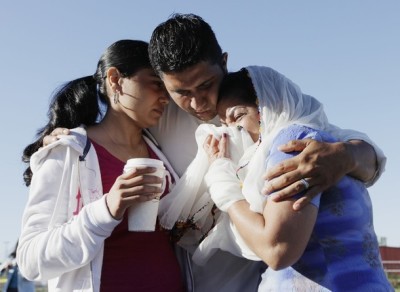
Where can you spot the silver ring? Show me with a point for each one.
(305, 184)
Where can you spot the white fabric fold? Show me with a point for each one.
(224, 186)
(189, 199)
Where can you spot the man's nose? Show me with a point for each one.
(198, 103)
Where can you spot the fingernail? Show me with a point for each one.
(65, 131)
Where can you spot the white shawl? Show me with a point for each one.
(281, 104)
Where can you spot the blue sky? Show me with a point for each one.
(345, 53)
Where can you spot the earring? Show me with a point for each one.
(239, 127)
(116, 97)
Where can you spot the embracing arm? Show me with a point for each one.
(280, 235)
(323, 164)
(365, 160)
(370, 159)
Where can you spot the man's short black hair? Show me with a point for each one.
(181, 42)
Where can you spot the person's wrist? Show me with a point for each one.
(349, 149)
(108, 208)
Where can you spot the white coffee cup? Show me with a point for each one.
(143, 215)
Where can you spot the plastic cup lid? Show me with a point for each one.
(144, 162)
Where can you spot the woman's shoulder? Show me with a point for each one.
(300, 132)
(77, 140)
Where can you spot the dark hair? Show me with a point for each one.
(181, 42)
(239, 85)
(77, 102)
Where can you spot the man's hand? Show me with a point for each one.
(321, 164)
(54, 136)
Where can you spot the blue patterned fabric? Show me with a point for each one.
(343, 252)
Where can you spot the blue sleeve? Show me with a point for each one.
(293, 132)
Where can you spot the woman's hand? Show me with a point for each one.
(132, 187)
(215, 148)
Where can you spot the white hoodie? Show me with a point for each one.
(55, 244)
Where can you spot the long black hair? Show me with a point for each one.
(78, 102)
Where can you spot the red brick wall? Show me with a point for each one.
(390, 253)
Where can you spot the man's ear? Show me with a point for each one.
(224, 62)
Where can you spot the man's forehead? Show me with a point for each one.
(191, 77)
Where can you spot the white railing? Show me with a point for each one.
(388, 269)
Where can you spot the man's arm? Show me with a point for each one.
(366, 163)
(322, 165)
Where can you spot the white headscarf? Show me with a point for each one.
(281, 103)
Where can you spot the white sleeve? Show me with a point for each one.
(47, 250)
(223, 185)
(225, 189)
(347, 134)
